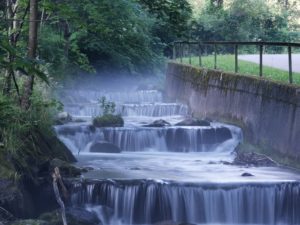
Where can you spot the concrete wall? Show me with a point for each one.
(268, 111)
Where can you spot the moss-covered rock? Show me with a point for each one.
(108, 120)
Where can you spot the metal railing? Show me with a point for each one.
(179, 46)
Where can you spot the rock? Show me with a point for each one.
(252, 159)
(79, 120)
(104, 147)
(63, 118)
(247, 175)
(11, 200)
(193, 122)
(158, 123)
(81, 216)
(29, 222)
(75, 216)
(108, 120)
(66, 169)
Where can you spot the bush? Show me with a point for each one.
(108, 120)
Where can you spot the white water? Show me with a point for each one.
(179, 174)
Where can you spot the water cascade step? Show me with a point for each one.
(173, 139)
(146, 109)
(149, 202)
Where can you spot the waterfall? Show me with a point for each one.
(89, 96)
(173, 139)
(148, 202)
(154, 109)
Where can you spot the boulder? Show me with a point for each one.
(193, 122)
(158, 123)
(74, 215)
(104, 147)
(63, 118)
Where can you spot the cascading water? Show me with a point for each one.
(148, 202)
(172, 173)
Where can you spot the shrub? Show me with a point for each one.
(108, 120)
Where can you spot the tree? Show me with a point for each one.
(32, 47)
(172, 18)
(14, 29)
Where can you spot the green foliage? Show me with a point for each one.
(248, 20)
(108, 120)
(20, 131)
(20, 63)
(172, 18)
(105, 34)
(107, 107)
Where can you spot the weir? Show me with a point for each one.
(170, 175)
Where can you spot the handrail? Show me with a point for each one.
(257, 43)
(236, 44)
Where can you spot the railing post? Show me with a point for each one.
(215, 50)
(200, 54)
(236, 67)
(261, 60)
(174, 51)
(181, 51)
(290, 65)
(190, 55)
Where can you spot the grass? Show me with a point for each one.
(227, 63)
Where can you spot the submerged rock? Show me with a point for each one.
(104, 147)
(247, 175)
(193, 122)
(158, 123)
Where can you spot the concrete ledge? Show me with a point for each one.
(268, 111)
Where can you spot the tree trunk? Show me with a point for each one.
(32, 46)
(8, 72)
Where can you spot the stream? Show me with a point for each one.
(173, 174)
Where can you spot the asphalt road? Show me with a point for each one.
(279, 61)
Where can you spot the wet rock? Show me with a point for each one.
(104, 147)
(11, 200)
(247, 175)
(66, 169)
(63, 118)
(253, 159)
(75, 216)
(193, 122)
(29, 222)
(223, 134)
(78, 120)
(158, 123)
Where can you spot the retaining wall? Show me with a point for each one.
(269, 112)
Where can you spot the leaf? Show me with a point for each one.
(7, 47)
